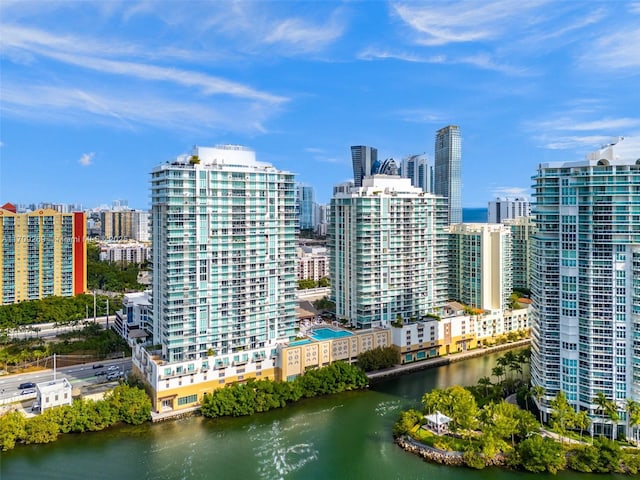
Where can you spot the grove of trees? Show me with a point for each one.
(255, 396)
(378, 358)
(124, 404)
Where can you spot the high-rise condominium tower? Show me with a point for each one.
(223, 232)
(363, 158)
(480, 273)
(388, 252)
(585, 280)
(447, 170)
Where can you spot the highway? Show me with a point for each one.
(77, 375)
(51, 330)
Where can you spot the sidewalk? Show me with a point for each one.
(439, 361)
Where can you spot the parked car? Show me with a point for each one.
(115, 375)
(98, 365)
(101, 372)
(112, 368)
(27, 385)
(28, 391)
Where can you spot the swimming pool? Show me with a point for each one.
(297, 343)
(328, 333)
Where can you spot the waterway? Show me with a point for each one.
(346, 436)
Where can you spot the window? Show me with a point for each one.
(187, 399)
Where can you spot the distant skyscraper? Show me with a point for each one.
(417, 168)
(447, 170)
(306, 207)
(388, 252)
(385, 167)
(505, 208)
(585, 281)
(363, 158)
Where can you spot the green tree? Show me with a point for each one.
(485, 382)
(12, 429)
(406, 422)
(582, 421)
(324, 282)
(601, 401)
(130, 404)
(537, 392)
(562, 414)
(306, 284)
(633, 417)
(540, 454)
(40, 429)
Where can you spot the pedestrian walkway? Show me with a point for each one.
(439, 361)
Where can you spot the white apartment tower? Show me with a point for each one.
(585, 280)
(417, 168)
(387, 252)
(480, 273)
(223, 232)
(522, 229)
(502, 209)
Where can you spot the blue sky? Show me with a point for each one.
(94, 94)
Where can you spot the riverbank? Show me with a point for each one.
(398, 370)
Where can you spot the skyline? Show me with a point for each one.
(103, 92)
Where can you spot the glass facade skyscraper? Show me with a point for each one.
(585, 280)
(306, 207)
(447, 170)
(363, 159)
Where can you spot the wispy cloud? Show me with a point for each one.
(436, 23)
(510, 192)
(617, 50)
(483, 61)
(74, 106)
(303, 36)
(65, 50)
(87, 159)
(572, 142)
(418, 115)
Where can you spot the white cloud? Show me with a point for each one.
(577, 125)
(74, 106)
(484, 61)
(616, 50)
(87, 159)
(436, 23)
(511, 192)
(301, 35)
(572, 142)
(418, 115)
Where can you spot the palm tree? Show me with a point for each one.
(486, 383)
(537, 392)
(498, 371)
(633, 416)
(612, 412)
(601, 401)
(582, 421)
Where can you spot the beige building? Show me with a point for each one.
(312, 263)
(180, 385)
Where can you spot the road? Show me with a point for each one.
(78, 376)
(51, 330)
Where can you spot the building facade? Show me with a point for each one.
(305, 204)
(312, 263)
(42, 253)
(418, 170)
(363, 159)
(388, 257)
(502, 209)
(141, 228)
(585, 281)
(124, 252)
(116, 225)
(133, 320)
(448, 170)
(480, 272)
(522, 230)
(223, 229)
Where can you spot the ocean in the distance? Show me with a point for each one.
(474, 215)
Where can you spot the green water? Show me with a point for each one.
(341, 437)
